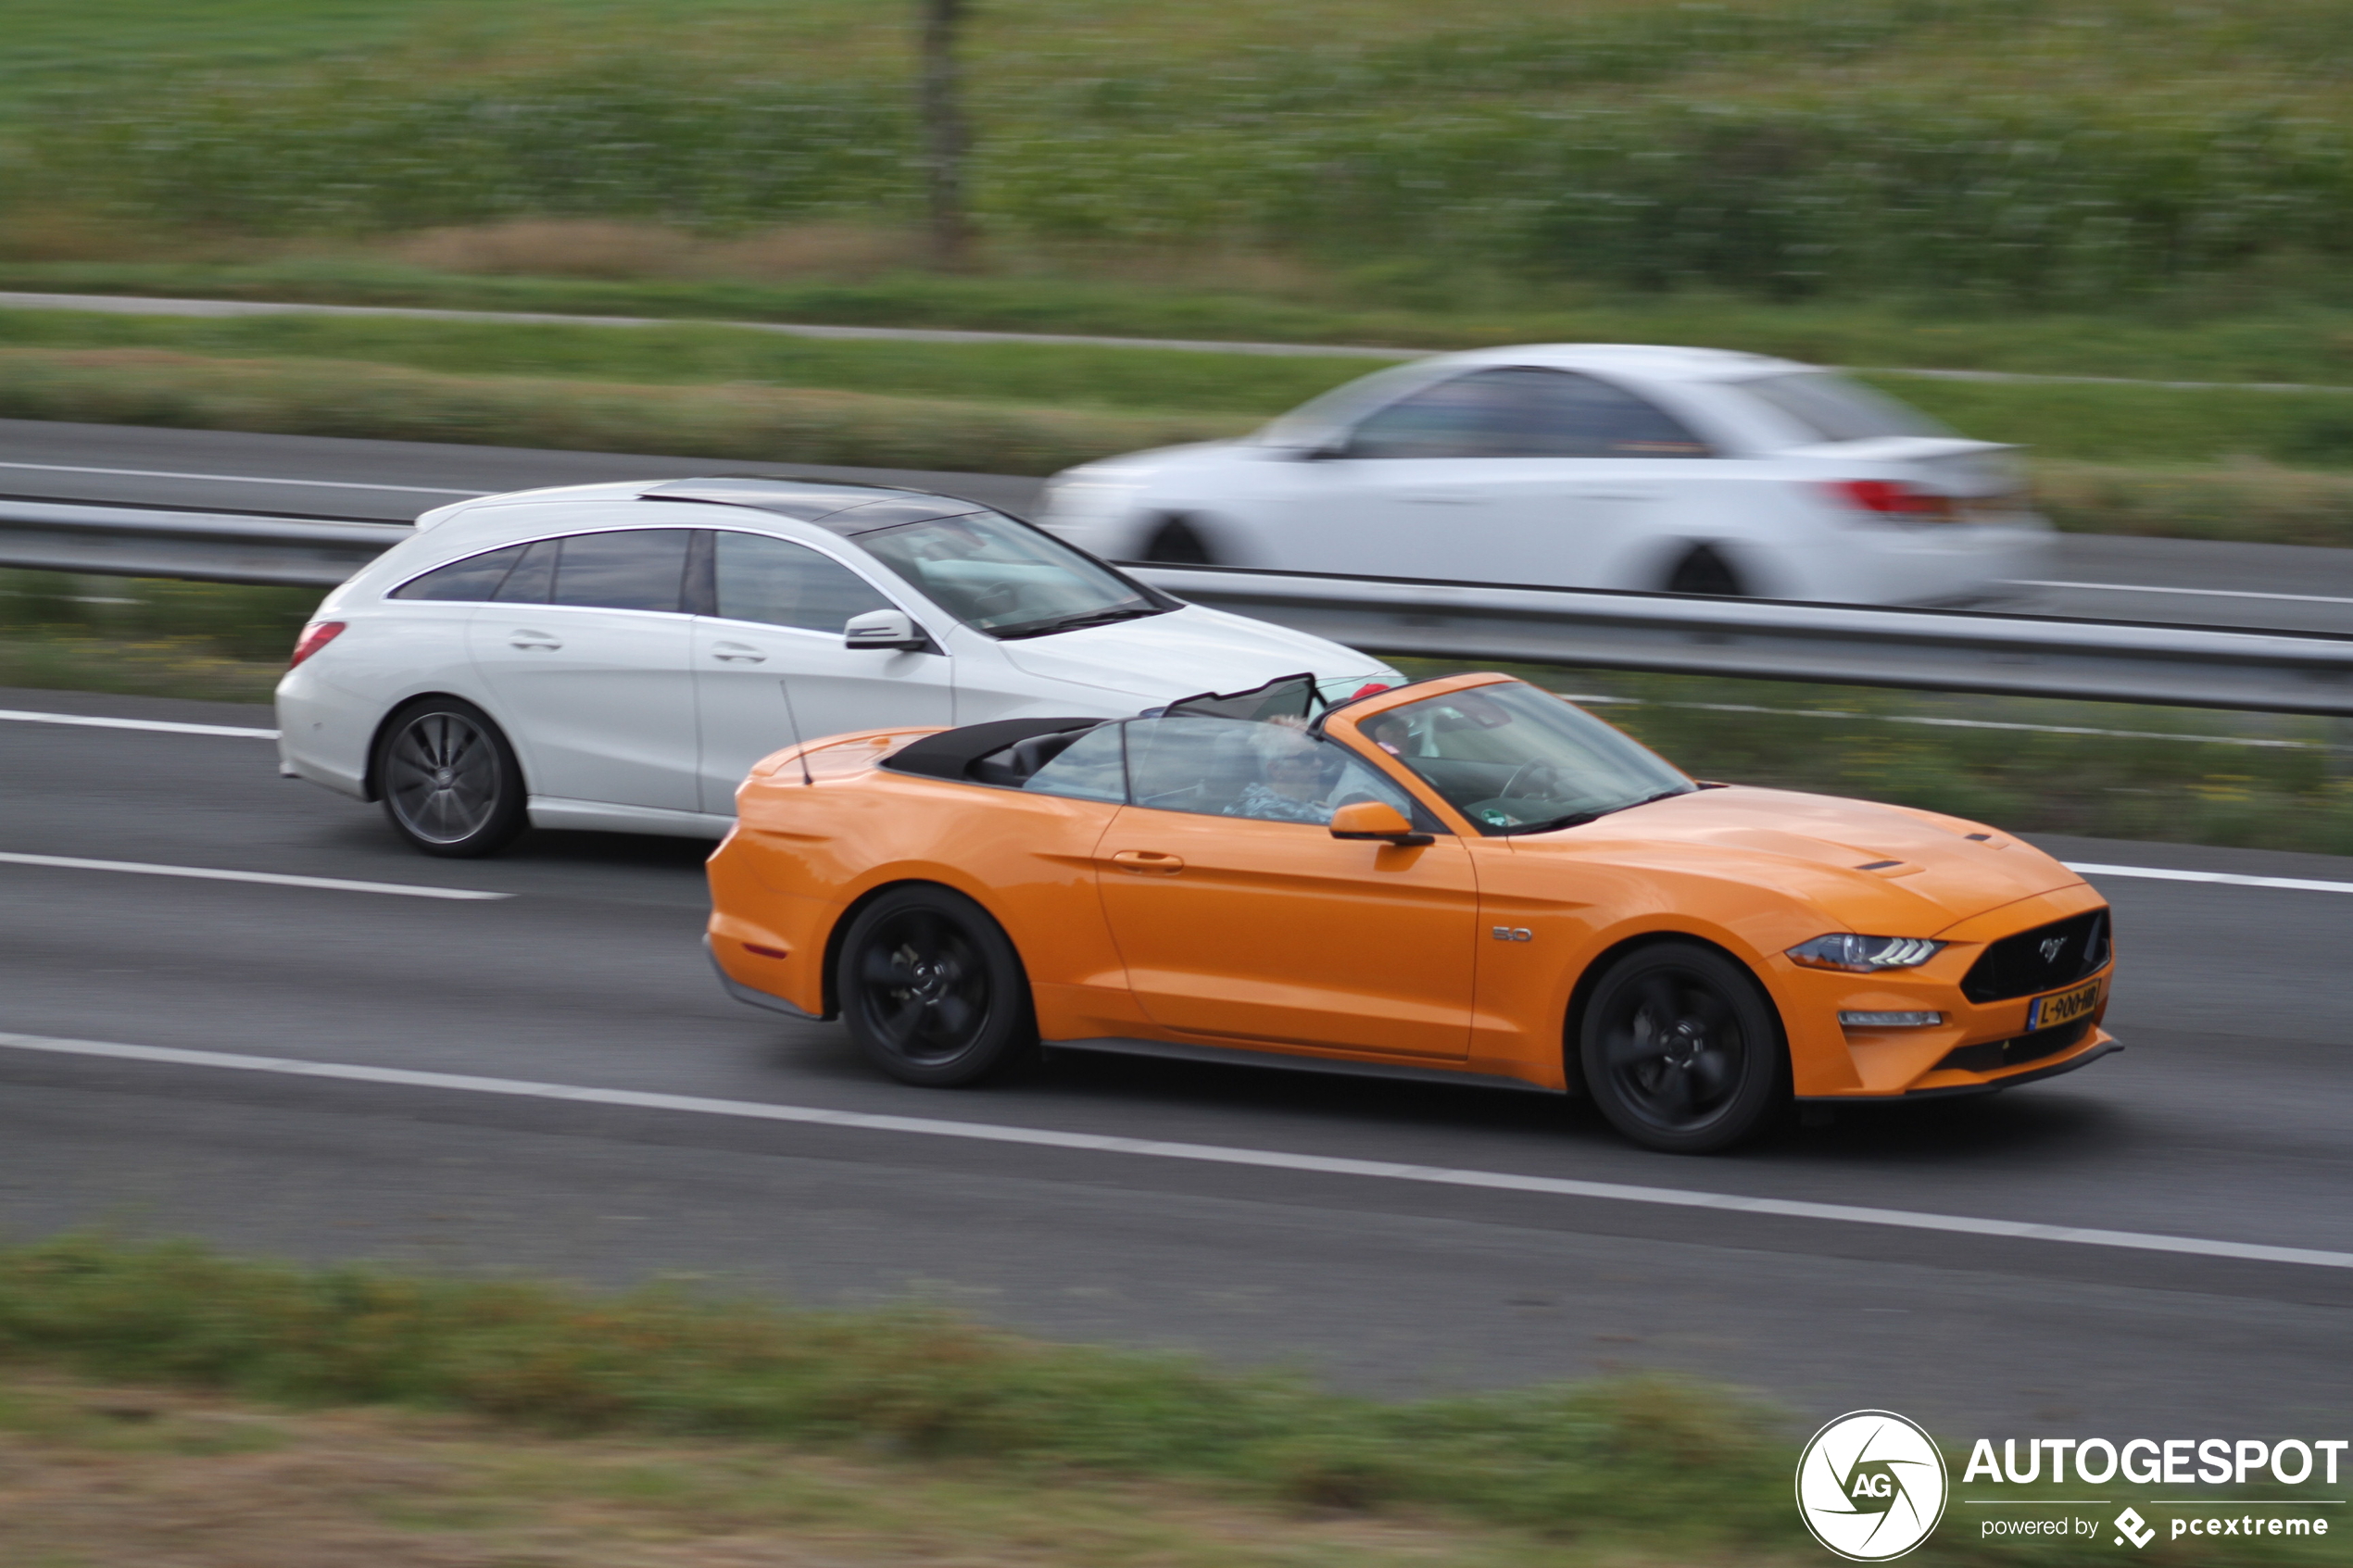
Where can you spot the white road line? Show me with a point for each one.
(2201, 592)
(2229, 879)
(165, 726)
(1211, 1154)
(273, 879)
(246, 479)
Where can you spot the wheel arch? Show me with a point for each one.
(371, 792)
(829, 994)
(1581, 996)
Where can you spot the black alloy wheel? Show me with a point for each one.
(932, 989)
(1704, 570)
(1681, 1049)
(448, 780)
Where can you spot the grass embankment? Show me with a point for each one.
(692, 1430)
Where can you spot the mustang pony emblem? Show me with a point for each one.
(2051, 947)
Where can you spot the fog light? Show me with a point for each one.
(1890, 1020)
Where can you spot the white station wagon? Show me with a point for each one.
(617, 657)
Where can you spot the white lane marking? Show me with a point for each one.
(1213, 1154)
(165, 726)
(246, 479)
(2202, 592)
(273, 879)
(2229, 879)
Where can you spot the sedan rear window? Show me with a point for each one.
(1830, 408)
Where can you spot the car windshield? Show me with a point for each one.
(1830, 408)
(1006, 579)
(1514, 759)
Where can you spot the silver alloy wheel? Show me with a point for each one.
(442, 777)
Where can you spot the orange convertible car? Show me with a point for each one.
(1464, 878)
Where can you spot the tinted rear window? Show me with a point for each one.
(1830, 408)
(475, 578)
(634, 569)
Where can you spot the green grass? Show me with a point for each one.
(1612, 1470)
(1065, 375)
(2228, 335)
(2022, 152)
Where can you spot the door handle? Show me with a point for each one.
(1148, 862)
(738, 653)
(529, 639)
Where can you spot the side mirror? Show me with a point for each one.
(1375, 819)
(885, 629)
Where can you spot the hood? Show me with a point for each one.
(1817, 846)
(1162, 657)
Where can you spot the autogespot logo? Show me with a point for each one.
(1871, 1486)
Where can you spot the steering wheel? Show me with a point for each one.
(1505, 793)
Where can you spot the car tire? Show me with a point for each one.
(1681, 1049)
(1704, 569)
(932, 990)
(1177, 543)
(448, 781)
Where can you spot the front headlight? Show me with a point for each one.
(1861, 954)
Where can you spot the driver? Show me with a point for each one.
(1294, 783)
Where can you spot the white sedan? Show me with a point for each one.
(1588, 466)
(617, 657)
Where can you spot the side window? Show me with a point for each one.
(533, 577)
(1523, 411)
(1090, 768)
(781, 584)
(634, 569)
(1233, 768)
(475, 578)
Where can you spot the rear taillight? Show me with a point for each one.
(1891, 497)
(316, 635)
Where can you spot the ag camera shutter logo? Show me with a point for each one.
(1871, 1486)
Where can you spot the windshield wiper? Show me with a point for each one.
(1072, 623)
(1579, 818)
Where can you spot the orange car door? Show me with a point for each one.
(1240, 918)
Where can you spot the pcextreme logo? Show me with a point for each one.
(1871, 1486)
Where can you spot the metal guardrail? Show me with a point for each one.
(1926, 650)
(206, 546)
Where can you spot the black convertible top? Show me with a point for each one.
(951, 752)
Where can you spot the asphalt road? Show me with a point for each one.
(2230, 1118)
(2263, 585)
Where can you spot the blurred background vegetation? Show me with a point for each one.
(2123, 188)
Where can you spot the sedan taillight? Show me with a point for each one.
(316, 635)
(1891, 497)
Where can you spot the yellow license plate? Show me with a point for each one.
(2048, 1013)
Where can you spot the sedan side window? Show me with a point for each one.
(474, 579)
(632, 569)
(1234, 767)
(778, 583)
(1523, 411)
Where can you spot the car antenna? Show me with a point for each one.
(794, 720)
